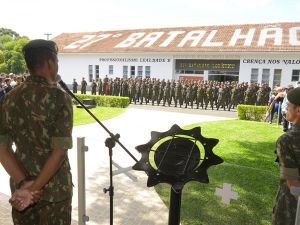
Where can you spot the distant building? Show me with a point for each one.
(245, 53)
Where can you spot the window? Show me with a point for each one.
(277, 77)
(147, 71)
(295, 75)
(265, 76)
(254, 75)
(96, 72)
(110, 69)
(132, 71)
(125, 72)
(140, 71)
(90, 73)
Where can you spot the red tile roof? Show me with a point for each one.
(271, 37)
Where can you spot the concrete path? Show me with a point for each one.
(134, 202)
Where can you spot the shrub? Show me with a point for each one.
(106, 100)
(251, 112)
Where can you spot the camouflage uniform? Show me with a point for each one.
(94, 87)
(178, 93)
(74, 85)
(38, 117)
(288, 152)
(83, 86)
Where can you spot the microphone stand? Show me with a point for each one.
(109, 143)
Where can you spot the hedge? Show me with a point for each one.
(251, 112)
(106, 100)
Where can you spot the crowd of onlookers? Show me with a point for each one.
(9, 81)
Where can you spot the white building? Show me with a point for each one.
(245, 53)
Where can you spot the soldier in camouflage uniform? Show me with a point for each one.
(74, 85)
(288, 152)
(155, 90)
(132, 90)
(200, 95)
(83, 86)
(94, 87)
(100, 87)
(178, 95)
(210, 97)
(221, 97)
(167, 92)
(37, 116)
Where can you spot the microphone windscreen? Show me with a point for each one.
(58, 78)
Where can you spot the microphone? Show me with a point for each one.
(61, 83)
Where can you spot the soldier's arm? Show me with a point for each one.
(288, 164)
(7, 156)
(10, 163)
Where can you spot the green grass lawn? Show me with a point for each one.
(248, 152)
(102, 113)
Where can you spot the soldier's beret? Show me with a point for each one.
(293, 96)
(40, 43)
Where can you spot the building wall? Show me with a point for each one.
(162, 65)
(286, 63)
(77, 65)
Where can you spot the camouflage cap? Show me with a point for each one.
(40, 43)
(293, 96)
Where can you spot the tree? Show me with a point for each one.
(13, 34)
(11, 58)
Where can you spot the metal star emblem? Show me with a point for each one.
(177, 156)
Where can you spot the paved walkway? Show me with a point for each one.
(134, 202)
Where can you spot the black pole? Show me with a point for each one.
(175, 205)
(110, 143)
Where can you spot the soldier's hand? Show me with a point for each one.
(36, 194)
(21, 199)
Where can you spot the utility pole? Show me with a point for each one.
(48, 35)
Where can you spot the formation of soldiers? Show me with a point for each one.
(181, 93)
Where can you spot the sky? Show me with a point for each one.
(35, 18)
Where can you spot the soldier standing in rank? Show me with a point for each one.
(143, 94)
(172, 91)
(149, 90)
(74, 85)
(83, 86)
(183, 94)
(200, 95)
(178, 96)
(160, 93)
(167, 90)
(210, 96)
(221, 97)
(125, 88)
(155, 90)
(234, 97)
(189, 96)
(137, 91)
(100, 87)
(216, 93)
(288, 153)
(132, 89)
(93, 87)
